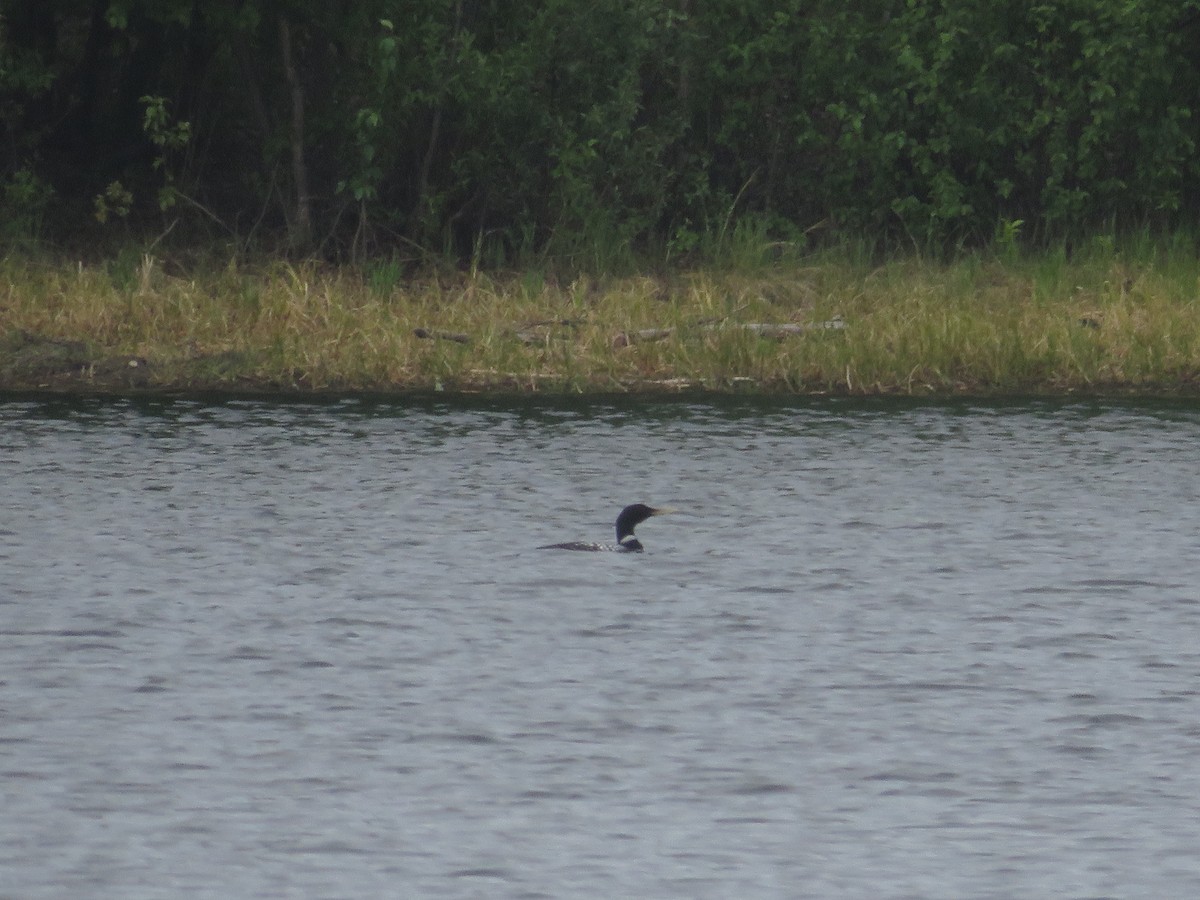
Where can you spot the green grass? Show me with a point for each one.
(1100, 319)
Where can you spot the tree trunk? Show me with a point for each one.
(300, 226)
(435, 126)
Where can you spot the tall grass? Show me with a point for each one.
(1097, 318)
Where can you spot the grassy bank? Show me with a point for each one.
(1103, 320)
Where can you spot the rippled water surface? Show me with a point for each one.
(263, 650)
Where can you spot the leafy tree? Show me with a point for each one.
(580, 131)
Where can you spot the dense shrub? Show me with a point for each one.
(518, 128)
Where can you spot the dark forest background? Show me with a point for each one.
(510, 129)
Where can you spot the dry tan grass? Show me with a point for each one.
(974, 326)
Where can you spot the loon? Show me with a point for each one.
(630, 518)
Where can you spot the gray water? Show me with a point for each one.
(263, 650)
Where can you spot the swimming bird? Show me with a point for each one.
(630, 518)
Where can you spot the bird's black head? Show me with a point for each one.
(630, 518)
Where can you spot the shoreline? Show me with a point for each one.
(120, 376)
(827, 326)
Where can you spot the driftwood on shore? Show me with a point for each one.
(534, 333)
(763, 329)
(430, 334)
(529, 333)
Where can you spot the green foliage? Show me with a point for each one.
(549, 131)
(23, 201)
(115, 200)
(169, 137)
(383, 276)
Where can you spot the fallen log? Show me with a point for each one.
(763, 329)
(429, 335)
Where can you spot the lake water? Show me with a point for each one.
(252, 649)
